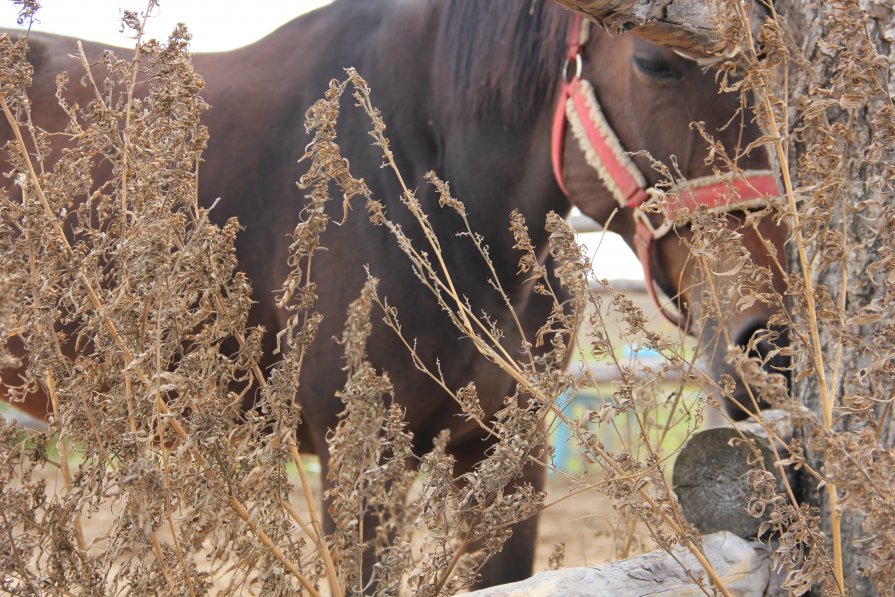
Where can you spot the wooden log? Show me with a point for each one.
(685, 25)
(743, 566)
(681, 24)
(709, 476)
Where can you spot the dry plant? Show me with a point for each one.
(819, 78)
(133, 321)
(479, 508)
(843, 448)
(129, 306)
(132, 311)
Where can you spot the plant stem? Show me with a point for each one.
(320, 539)
(270, 545)
(128, 359)
(63, 457)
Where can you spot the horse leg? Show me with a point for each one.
(515, 560)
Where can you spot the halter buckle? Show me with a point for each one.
(655, 232)
(565, 68)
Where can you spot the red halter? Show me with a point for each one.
(578, 107)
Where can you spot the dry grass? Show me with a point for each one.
(132, 274)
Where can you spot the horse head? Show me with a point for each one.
(626, 94)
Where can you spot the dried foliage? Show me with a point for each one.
(479, 508)
(132, 310)
(820, 76)
(129, 304)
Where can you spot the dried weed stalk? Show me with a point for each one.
(128, 303)
(479, 507)
(819, 77)
(128, 270)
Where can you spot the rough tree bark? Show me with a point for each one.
(686, 25)
(842, 160)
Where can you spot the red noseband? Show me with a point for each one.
(579, 109)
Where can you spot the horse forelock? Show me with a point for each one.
(499, 57)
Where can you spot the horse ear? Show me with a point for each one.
(683, 25)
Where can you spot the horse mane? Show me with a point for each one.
(500, 57)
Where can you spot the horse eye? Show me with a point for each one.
(656, 68)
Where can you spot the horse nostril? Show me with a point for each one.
(744, 337)
(756, 346)
(766, 343)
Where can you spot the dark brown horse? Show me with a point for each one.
(468, 89)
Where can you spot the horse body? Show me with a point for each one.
(268, 147)
(468, 90)
(472, 155)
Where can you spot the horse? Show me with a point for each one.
(478, 92)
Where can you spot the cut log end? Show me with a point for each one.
(709, 479)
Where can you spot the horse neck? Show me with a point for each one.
(495, 163)
(291, 68)
(502, 170)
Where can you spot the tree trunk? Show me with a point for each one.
(841, 160)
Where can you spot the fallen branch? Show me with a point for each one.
(743, 566)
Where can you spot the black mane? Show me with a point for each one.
(500, 57)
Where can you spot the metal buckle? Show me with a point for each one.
(565, 68)
(655, 232)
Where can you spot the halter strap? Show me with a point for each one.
(579, 108)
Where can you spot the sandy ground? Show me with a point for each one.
(585, 523)
(588, 525)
